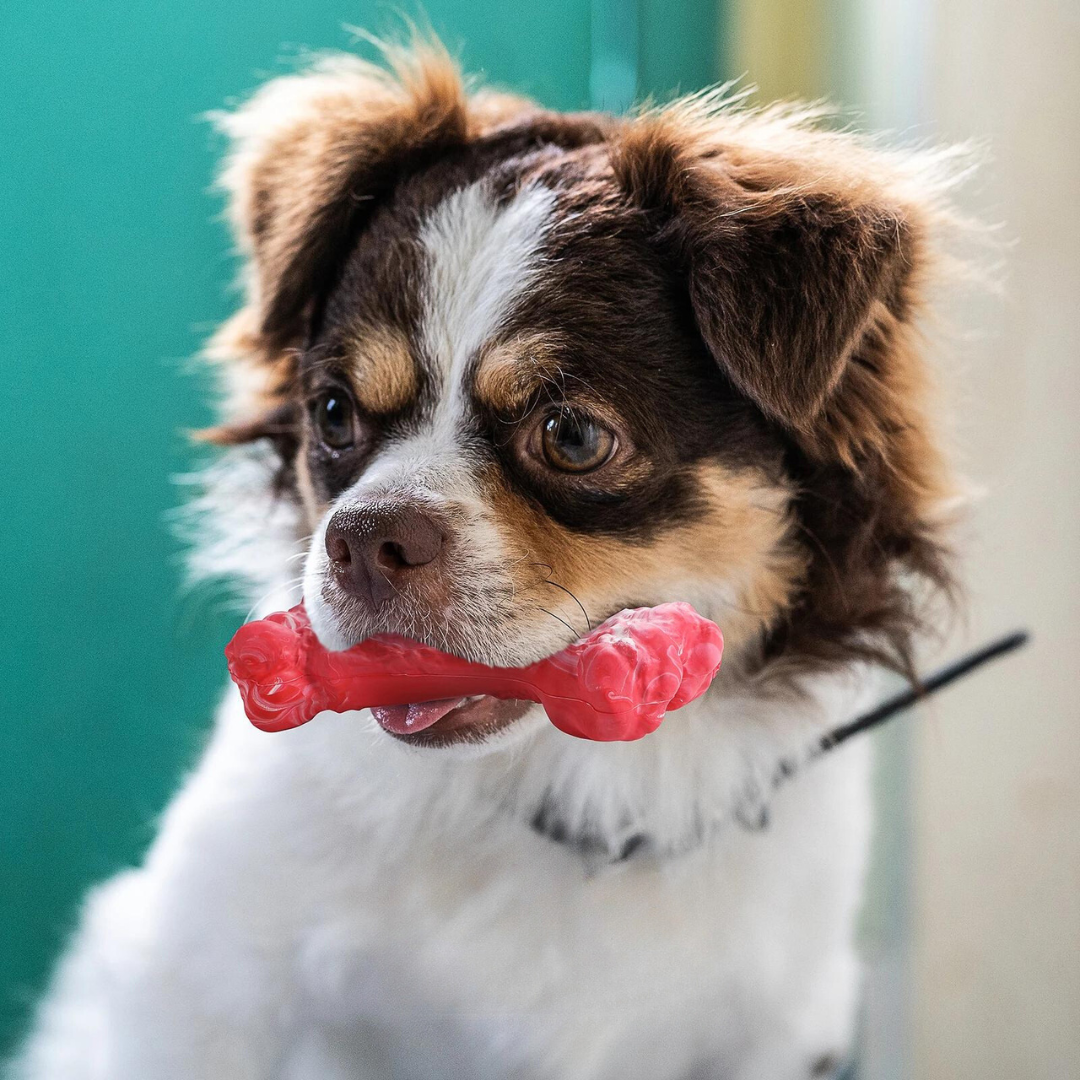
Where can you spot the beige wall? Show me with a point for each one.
(989, 972)
(997, 771)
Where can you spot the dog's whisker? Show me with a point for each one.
(282, 586)
(558, 619)
(556, 585)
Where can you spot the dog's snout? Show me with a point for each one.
(374, 550)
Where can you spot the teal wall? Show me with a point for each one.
(113, 268)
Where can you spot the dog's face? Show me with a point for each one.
(531, 370)
(519, 431)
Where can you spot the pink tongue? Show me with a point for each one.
(406, 719)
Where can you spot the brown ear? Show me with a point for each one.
(784, 295)
(787, 259)
(311, 155)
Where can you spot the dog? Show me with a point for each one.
(499, 373)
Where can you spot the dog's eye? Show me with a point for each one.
(333, 415)
(573, 442)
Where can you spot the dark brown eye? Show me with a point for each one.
(333, 416)
(574, 442)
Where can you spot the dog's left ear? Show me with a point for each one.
(789, 254)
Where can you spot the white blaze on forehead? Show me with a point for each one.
(480, 258)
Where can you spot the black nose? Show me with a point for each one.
(375, 549)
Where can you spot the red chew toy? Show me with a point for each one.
(616, 683)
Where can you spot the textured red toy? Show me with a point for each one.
(616, 683)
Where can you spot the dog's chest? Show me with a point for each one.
(521, 958)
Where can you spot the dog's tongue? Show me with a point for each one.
(407, 719)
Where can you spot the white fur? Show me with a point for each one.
(326, 903)
(480, 258)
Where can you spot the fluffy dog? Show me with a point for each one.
(500, 373)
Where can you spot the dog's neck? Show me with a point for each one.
(710, 765)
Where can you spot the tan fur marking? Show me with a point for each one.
(383, 369)
(740, 548)
(510, 372)
(314, 507)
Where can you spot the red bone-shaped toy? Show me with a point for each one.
(616, 683)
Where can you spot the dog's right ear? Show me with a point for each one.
(311, 155)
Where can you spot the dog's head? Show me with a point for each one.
(526, 369)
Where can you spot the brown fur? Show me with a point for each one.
(806, 257)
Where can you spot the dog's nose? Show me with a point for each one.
(375, 549)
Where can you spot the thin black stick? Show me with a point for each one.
(942, 677)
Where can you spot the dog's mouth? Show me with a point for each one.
(451, 720)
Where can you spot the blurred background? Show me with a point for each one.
(114, 266)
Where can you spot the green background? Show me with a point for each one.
(115, 266)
